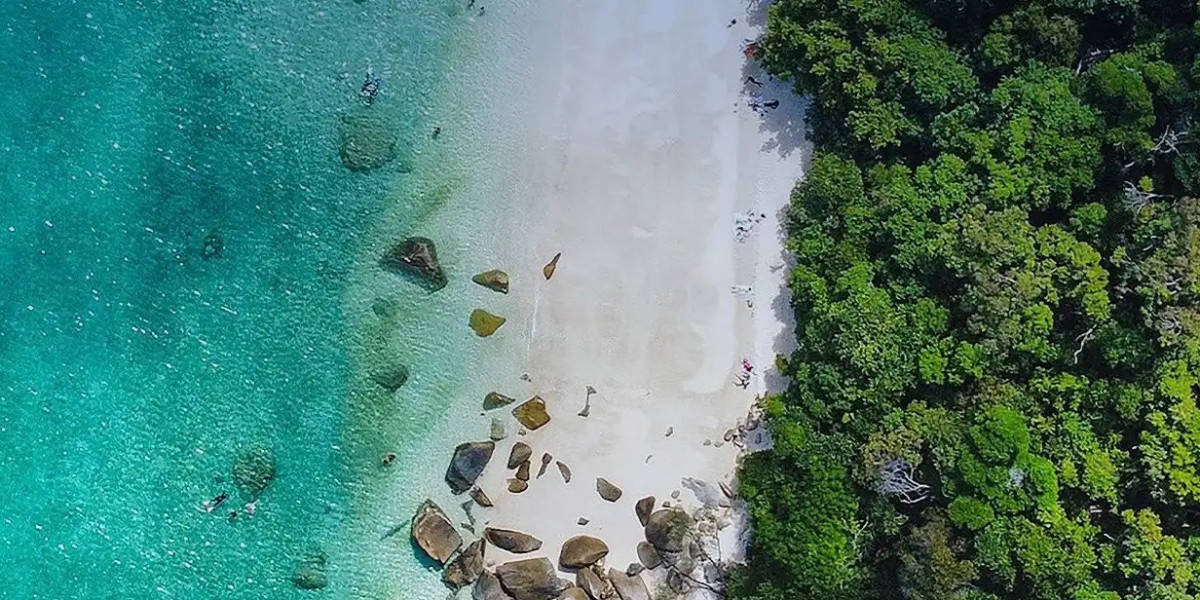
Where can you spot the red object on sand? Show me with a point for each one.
(749, 50)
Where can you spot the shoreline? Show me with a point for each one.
(630, 148)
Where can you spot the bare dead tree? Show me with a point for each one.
(1083, 339)
(895, 478)
(1091, 56)
(1168, 143)
(1136, 198)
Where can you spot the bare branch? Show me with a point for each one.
(1083, 339)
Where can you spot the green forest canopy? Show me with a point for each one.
(997, 271)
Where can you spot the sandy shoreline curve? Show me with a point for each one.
(627, 144)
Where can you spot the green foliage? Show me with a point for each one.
(997, 290)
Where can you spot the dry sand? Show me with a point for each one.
(630, 147)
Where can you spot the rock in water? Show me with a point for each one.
(368, 141)
(523, 471)
(667, 529)
(434, 533)
(212, 246)
(484, 323)
(643, 508)
(532, 413)
(498, 432)
(517, 486)
(495, 280)
(310, 574)
(467, 465)
(546, 458)
(581, 551)
(548, 270)
(481, 498)
(496, 400)
(648, 555)
(564, 470)
(513, 541)
(466, 567)
(416, 258)
(607, 490)
(520, 453)
(254, 470)
(392, 379)
(530, 579)
(628, 588)
(487, 587)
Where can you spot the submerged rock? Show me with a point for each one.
(433, 532)
(581, 551)
(391, 379)
(254, 470)
(368, 141)
(310, 574)
(467, 464)
(512, 541)
(530, 579)
(496, 400)
(607, 490)
(532, 413)
(416, 258)
(212, 247)
(498, 430)
(484, 323)
(466, 567)
(495, 280)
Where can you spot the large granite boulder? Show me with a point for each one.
(648, 556)
(496, 400)
(521, 452)
(467, 465)
(628, 588)
(391, 379)
(254, 470)
(416, 259)
(484, 323)
(532, 413)
(310, 574)
(512, 541)
(495, 280)
(643, 508)
(597, 587)
(368, 140)
(667, 529)
(581, 551)
(488, 587)
(466, 567)
(530, 579)
(607, 490)
(573, 593)
(434, 533)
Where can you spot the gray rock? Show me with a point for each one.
(607, 490)
(512, 541)
(517, 486)
(628, 588)
(596, 586)
(488, 587)
(668, 529)
(310, 574)
(466, 567)
(481, 498)
(648, 555)
(546, 458)
(520, 453)
(581, 551)
(434, 533)
(495, 280)
(583, 521)
(391, 379)
(564, 470)
(523, 471)
(496, 400)
(467, 465)
(573, 593)
(530, 579)
(416, 259)
(643, 508)
(634, 569)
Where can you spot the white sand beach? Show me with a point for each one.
(629, 147)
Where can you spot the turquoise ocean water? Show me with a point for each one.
(133, 370)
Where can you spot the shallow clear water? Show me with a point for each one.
(132, 369)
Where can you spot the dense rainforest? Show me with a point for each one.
(997, 248)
